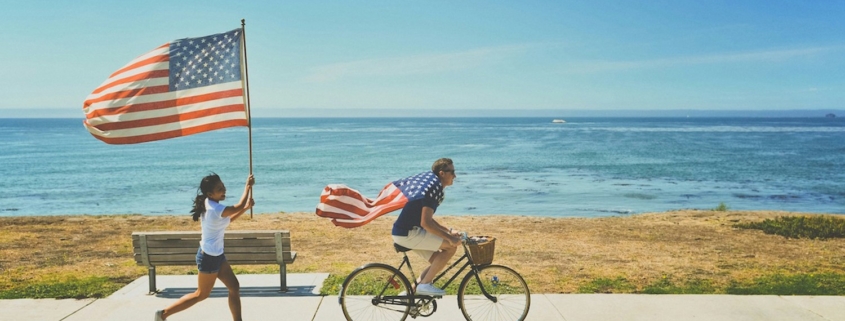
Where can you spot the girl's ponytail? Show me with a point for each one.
(206, 186)
(199, 207)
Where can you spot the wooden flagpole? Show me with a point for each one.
(248, 113)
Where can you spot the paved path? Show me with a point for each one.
(261, 301)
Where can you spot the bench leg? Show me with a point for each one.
(283, 277)
(151, 271)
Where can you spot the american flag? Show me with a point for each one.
(183, 87)
(348, 208)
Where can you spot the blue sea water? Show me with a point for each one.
(586, 167)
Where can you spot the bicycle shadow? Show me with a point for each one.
(246, 291)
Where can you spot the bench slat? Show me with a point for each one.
(167, 235)
(193, 250)
(234, 258)
(196, 243)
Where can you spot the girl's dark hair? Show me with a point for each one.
(206, 186)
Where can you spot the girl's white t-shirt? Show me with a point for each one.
(213, 228)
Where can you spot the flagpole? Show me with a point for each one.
(248, 113)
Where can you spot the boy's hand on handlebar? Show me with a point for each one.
(455, 240)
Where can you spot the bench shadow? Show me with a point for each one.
(246, 291)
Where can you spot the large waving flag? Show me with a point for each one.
(348, 208)
(183, 87)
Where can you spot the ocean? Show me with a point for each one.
(585, 167)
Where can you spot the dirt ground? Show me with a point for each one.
(555, 255)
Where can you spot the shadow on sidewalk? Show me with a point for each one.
(246, 291)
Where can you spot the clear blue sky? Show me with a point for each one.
(446, 55)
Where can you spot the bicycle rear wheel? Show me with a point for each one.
(507, 296)
(376, 292)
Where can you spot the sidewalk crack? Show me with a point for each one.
(77, 310)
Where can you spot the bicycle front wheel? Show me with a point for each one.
(376, 292)
(495, 292)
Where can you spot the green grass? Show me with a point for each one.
(331, 286)
(812, 227)
(795, 284)
(774, 284)
(607, 285)
(90, 287)
(667, 286)
(722, 207)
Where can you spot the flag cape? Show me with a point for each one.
(349, 208)
(183, 87)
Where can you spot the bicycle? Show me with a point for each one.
(378, 291)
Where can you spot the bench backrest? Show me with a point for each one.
(241, 247)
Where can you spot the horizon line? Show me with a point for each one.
(477, 113)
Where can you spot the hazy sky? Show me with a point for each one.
(444, 55)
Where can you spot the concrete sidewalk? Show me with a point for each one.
(261, 301)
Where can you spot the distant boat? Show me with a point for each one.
(831, 115)
(558, 121)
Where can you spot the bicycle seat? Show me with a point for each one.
(400, 248)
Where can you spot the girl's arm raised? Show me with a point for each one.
(233, 212)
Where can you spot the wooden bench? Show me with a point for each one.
(241, 247)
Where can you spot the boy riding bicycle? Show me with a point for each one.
(416, 229)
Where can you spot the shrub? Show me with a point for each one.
(721, 208)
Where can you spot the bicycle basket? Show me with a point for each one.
(481, 249)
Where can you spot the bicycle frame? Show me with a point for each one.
(468, 263)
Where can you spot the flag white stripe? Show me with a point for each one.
(163, 96)
(130, 116)
(135, 84)
(359, 204)
(155, 129)
(163, 51)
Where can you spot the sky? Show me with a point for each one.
(442, 57)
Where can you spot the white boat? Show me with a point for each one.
(558, 121)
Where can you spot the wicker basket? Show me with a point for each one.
(482, 253)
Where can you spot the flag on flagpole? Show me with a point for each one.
(349, 208)
(183, 87)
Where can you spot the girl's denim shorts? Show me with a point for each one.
(208, 263)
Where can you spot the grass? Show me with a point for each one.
(794, 284)
(71, 287)
(686, 251)
(810, 227)
(773, 284)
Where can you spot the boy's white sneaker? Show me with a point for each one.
(428, 289)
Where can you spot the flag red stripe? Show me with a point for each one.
(361, 211)
(170, 118)
(358, 223)
(165, 103)
(348, 208)
(335, 198)
(172, 133)
(141, 76)
(129, 93)
(151, 60)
